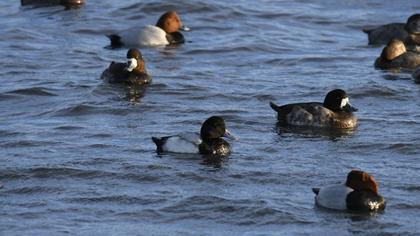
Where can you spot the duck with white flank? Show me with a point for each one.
(208, 141)
(166, 31)
(359, 193)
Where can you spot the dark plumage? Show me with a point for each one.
(335, 112)
(401, 31)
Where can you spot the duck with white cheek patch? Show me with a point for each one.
(131, 73)
(209, 141)
(359, 193)
(335, 112)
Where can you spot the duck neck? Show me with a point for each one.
(413, 39)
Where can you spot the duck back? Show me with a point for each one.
(115, 73)
(383, 34)
(314, 114)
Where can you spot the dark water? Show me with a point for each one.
(76, 155)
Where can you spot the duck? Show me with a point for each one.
(395, 56)
(66, 3)
(416, 75)
(131, 73)
(359, 193)
(412, 41)
(335, 112)
(383, 34)
(208, 142)
(165, 32)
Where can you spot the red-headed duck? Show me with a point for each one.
(335, 112)
(359, 193)
(209, 141)
(166, 31)
(132, 73)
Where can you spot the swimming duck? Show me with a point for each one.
(208, 141)
(395, 56)
(132, 73)
(165, 32)
(67, 3)
(416, 75)
(359, 193)
(413, 28)
(335, 112)
(383, 34)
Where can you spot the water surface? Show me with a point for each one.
(76, 153)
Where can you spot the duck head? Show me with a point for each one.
(135, 61)
(170, 23)
(215, 128)
(413, 24)
(360, 180)
(337, 100)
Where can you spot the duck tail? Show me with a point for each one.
(315, 190)
(115, 40)
(159, 144)
(274, 106)
(367, 31)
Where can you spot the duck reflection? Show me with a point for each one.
(332, 133)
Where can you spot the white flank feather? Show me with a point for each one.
(333, 196)
(183, 143)
(146, 36)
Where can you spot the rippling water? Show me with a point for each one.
(76, 153)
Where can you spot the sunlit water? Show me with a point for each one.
(76, 154)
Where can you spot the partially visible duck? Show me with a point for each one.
(208, 141)
(133, 72)
(335, 112)
(416, 75)
(359, 193)
(413, 28)
(395, 56)
(165, 32)
(66, 3)
(383, 34)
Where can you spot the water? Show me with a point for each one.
(76, 154)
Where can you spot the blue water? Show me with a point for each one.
(76, 154)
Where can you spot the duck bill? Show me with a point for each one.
(230, 136)
(184, 28)
(349, 108)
